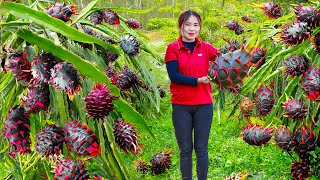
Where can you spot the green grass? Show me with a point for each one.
(227, 151)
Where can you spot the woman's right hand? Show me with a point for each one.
(204, 80)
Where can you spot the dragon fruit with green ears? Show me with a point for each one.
(49, 141)
(66, 169)
(99, 102)
(81, 140)
(17, 130)
(126, 137)
(61, 11)
(311, 83)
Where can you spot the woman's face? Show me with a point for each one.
(190, 29)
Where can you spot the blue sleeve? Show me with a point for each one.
(176, 77)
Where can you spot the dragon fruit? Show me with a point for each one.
(130, 45)
(37, 98)
(272, 10)
(112, 75)
(41, 67)
(256, 135)
(316, 41)
(239, 30)
(65, 78)
(295, 109)
(265, 100)
(232, 25)
(229, 69)
(126, 79)
(300, 170)
(258, 57)
(133, 23)
(295, 33)
(161, 161)
(246, 106)
(81, 140)
(295, 65)
(308, 14)
(305, 140)
(99, 102)
(283, 138)
(61, 11)
(68, 170)
(20, 67)
(49, 141)
(111, 57)
(141, 166)
(229, 46)
(88, 31)
(110, 17)
(126, 137)
(17, 130)
(246, 19)
(96, 17)
(311, 83)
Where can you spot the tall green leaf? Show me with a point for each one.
(56, 25)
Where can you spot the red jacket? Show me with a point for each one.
(194, 64)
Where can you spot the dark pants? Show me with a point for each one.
(186, 119)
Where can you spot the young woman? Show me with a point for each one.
(187, 61)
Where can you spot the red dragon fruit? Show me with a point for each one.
(81, 140)
(311, 83)
(126, 79)
(20, 67)
(68, 170)
(130, 45)
(283, 138)
(61, 11)
(295, 65)
(126, 137)
(232, 25)
(265, 100)
(96, 17)
(305, 139)
(110, 17)
(258, 57)
(99, 102)
(300, 170)
(239, 30)
(65, 78)
(37, 98)
(256, 135)
(49, 140)
(308, 14)
(160, 162)
(229, 46)
(133, 23)
(246, 19)
(246, 106)
(295, 33)
(17, 130)
(41, 67)
(295, 109)
(112, 75)
(272, 10)
(141, 166)
(229, 69)
(316, 41)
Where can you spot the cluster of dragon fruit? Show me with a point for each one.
(234, 63)
(40, 72)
